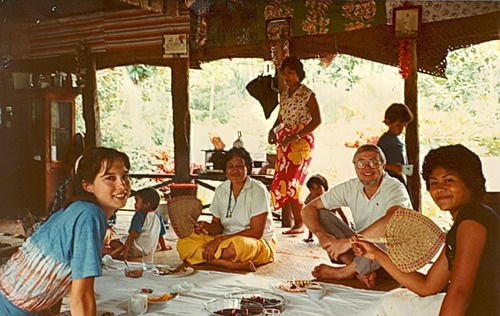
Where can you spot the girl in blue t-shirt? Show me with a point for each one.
(64, 254)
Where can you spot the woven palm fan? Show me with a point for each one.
(183, 212)
(412, 239)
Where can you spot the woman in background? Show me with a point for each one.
(292, 133)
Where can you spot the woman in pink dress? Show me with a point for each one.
(298, 117)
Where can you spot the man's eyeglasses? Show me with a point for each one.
(374, 163)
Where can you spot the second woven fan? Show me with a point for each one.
(411, 239)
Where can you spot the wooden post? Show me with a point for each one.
(182, 119)
(412, 138)
(90, 102)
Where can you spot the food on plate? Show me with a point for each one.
(164, 297)
(294, 286)
(266, 302)
(166, 270)
(236, 312)
(233, 306)
(265, 298)
(155, 296)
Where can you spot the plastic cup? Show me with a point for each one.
(315, 292)
(148, 260)
(137, 304)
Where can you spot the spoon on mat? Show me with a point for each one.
(126, 263)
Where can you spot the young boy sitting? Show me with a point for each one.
(317, 185)
(146, 229)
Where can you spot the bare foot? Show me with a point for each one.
(326, 272)
(368, 279)
(294, 231)
(239, 265)
(168, 247)
(245, 266)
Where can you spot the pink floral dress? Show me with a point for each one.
(292, 160)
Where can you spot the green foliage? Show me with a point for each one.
(139, 73)
(463, 108)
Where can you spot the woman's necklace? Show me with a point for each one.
(229, 211)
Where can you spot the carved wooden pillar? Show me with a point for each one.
(90, 102)
(182, 119)
(412, 138)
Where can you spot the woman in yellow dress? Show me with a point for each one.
(240, 235)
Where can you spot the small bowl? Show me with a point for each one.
(231, 306)
(133, 273)
(266, 298)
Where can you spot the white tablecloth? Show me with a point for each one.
(113, 288)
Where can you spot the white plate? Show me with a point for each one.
(173, 272)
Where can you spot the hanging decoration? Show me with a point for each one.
(278, 16)
(278, 33)
(406, 22)
(405, 58)
(201, 8)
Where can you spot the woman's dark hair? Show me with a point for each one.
(149, 195)
(294, 63)
(87, 166)
(461, 160)
(242, 153)
(319, 180)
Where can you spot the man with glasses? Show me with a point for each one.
(372, 196)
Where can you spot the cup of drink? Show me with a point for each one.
(148, 260)
(137, 304)
(315, 291)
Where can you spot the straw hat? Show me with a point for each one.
(183, 212)
(412, 239)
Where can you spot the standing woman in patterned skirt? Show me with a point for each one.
(292, 133)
